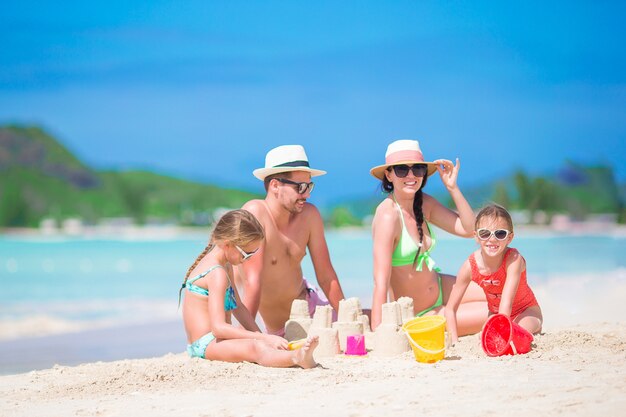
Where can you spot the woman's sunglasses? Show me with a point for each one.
(485, 234)
(245, 254)
(302, 186)
(419, 170)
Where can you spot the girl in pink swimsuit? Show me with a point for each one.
(499, 270)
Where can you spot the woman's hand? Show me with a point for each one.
(448, 172)
(276, 342)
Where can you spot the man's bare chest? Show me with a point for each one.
(285, 248)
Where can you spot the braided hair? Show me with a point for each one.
(387, 187)
(238, 227)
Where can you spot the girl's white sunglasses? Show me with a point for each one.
(245, 254)
(485, 234)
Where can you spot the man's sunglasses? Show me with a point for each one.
(245, 254)
(485, 234)
(302, 186)
(419, 170)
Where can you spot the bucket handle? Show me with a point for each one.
(511, 338)
(430, 352)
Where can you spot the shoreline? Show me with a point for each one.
(564, 303)
(180, 232)
(566, 299)
(107, 344)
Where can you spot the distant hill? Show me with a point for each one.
(40, 178)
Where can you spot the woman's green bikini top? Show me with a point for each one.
(405, 251)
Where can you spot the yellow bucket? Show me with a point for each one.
(427, 338)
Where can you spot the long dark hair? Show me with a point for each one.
(387, 187)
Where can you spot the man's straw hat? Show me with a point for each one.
(286, 158)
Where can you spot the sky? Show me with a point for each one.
(203, 89)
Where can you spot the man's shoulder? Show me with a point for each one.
(310, 208)
(254, 206)
(258, 209)
(310, 217)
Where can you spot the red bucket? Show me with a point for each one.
(500, 336)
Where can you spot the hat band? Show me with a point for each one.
(293, 164)
(400, 156)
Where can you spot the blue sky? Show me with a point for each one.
(202, 89)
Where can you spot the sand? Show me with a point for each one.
(577, 370)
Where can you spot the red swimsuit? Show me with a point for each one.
(494, 284)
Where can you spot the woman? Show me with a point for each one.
(404, 240)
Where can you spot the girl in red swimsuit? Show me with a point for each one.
(499, 270)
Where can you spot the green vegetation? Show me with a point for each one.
(575, 190)
(40, 178)
(341, 216)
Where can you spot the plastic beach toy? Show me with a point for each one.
(501, 336)
(296, 344)
(355, 345)
(427, 337)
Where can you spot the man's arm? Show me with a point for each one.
(324, 271)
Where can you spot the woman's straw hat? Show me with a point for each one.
(286, 158)
(402, 152)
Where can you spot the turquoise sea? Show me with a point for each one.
(115, 281)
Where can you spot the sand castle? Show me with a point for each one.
(387, 340)
(333, 336)
(350, 321)
(322, 327)
(297, 327)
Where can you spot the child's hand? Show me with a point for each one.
(448, 172)
(277, 342)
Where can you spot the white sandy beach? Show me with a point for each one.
(576, 367)
(577, 370)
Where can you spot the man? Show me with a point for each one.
(273, 278)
